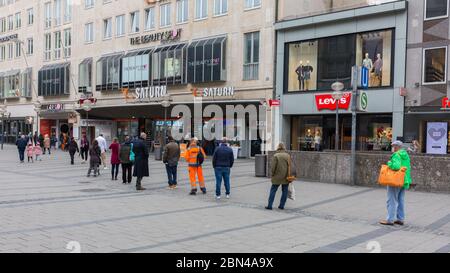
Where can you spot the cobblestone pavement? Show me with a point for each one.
(47, 204)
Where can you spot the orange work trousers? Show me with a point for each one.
(196, 171)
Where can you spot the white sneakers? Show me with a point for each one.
(218, 197)
(228, 196)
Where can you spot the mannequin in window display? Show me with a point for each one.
(301, 77)
(367, 62)
(307, 70)
(378, 67)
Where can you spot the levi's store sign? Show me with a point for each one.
(445, 104)
(326, 102)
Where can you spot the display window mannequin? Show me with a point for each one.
(301, 77)
(378, 69)
(307, 70)
(367, 62)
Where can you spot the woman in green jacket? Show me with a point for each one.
(396, 196)
(279, 171)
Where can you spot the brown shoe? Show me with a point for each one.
(400, 223)
(386, 223)
(141, 189)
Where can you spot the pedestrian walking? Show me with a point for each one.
(73, 148)
(41, 141)
(30, 152)
(35, 137)
(94, 162)
(125, 157)
(53, 141)
(38, 151)
(84, 148)
(281, 162)
(47, 144)
(396, 195)
(140, 151)
(21, 144)
(223, 160)
(115, 161)
(102, 144)
(171, 158)
(195, 156)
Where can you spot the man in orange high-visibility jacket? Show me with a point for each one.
(195, 167)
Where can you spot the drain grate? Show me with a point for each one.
(92, 190)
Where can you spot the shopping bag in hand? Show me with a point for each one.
(291, 191)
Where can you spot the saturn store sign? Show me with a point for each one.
(213, 92)
(150, 93)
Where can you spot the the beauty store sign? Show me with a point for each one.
(165, 36)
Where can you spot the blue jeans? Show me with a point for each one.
(222, 173)
(284, 195)
(21, 155)
(171, 174)
(395, 204)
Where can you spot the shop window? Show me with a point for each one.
(436, 9)
(168, 65)
(11, 84)
(26, 82)
(108, 73)
(302, 71)
(435, 65)
(54, 80)
(136, 69)
(374, 52)
(335, 62)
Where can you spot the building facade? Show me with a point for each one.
(318, 43)
(131, 56)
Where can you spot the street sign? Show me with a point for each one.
(273, 103)
(363, 101)
(364, 78)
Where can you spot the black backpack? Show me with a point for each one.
(200, 157)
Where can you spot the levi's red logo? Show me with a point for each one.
(326, 102)
(445, 103)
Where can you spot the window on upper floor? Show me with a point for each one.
(182, 11)
(201, 9)
(30, 13)
(2, 25)
(10, 51)
(57, 12)
(2, 52)
(47, 47)
(134, 22)
(251, 4)
(150, 18)
(30, 46)
(107, 28)
(436, 9)
(48, 14)
(58, 44)
(18, 19)
(89, 33)
(68, 11)
(88, 4)
(10, 22)
(220, 7)
(67, 43)
(435, 65)
(120, 25)
(18, 49)
(251, 56)
(164, 15)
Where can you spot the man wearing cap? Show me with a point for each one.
(395, 195)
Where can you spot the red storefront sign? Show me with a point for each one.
(273, 103)
(445, 104)
(326, 102)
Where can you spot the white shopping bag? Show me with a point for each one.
(291, 191)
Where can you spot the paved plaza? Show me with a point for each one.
(49, 206)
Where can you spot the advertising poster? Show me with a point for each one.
(437, 138)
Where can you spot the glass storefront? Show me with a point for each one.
(85, 76)
(316, 64)
(108, 73)
(310, 133)
(15, 84)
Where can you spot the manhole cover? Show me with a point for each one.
(92, 190)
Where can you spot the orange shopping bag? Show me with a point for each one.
(392, 178)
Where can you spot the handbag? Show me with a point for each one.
(290, 178)
(132, 155)
(391, 178)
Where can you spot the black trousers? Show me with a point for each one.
(126, 172)
(72, 157)
(21, 155)
(114, 170)
(84, 153)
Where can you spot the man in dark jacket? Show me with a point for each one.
(170, 158)
(223, 161)
(21, 144)
(127, 164)
(141, 160)
(73, 148)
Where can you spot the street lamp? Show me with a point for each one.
(337, 96)
(166, 104)
(3, 113)
(37, 109)
(87, 106)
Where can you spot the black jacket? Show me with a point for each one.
(21, 143)
(141, 158)
(223, 157)
(73, 147)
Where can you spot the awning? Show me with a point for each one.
(206, 60)
(10, 73)
(86, 61)
(54, 80)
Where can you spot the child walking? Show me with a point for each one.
(38, 151)
(30, 152)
